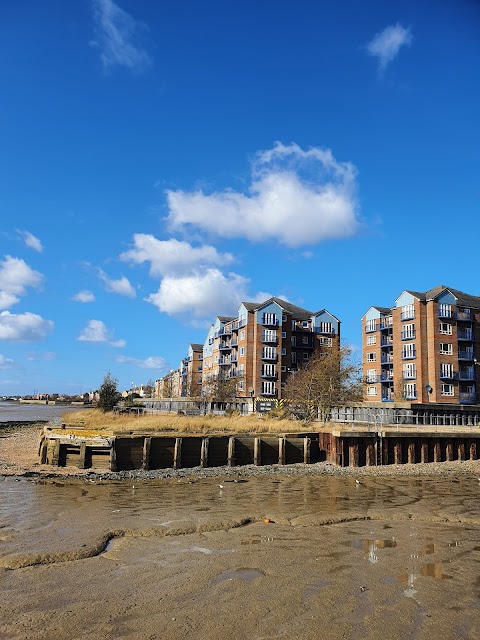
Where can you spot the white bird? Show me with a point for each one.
(221, 486)
(358, 481)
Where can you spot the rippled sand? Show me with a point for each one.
(290, 557)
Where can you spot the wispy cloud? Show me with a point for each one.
(15, 277)
(118, 36)
(121, 286)
(43, 356)
(24, 327)
(386, 44)
(6, 363)
(83, 296)
(30, 240)
(152, 362)
(96, 331)
(296, 197)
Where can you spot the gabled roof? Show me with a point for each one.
(225, 318)
(317, 313)
(250, 306)
(296, 312)
(463, 299)
(197, 347)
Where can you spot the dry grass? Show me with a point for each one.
(96, 422)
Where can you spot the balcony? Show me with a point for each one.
(372, 379)
(408, 335)
(386, 341)
(387, 399)
(446, 313)
(224, 361)
(464, 316)
(407, 315)
(386, 324)
(385, 377)
(238, 324)
(409, 355)
(386, 359)
(370, 328)
(269, 338)
(446, 374)
(269, 376)
(466, 334)
(466, 375)
(234, 342)
(272, 357)
(270, 393)
(233, 357)
(269, 320)
(409, 375)
(224, 346)
(467, 397)
(465, 354)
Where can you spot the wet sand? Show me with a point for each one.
(390, 557)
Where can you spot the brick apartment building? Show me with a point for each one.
(424, 349)
(263, 344)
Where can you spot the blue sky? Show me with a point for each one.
(161, 162)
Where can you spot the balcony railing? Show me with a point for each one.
(407, 315)
(465, 354)
(272, 339)
(446, 374)
(465, 335)
(466, 375)
(386, 324)
(467, 397)
(238, 324)
(386, 341)
(268, 321)
(224, 346)
(446, 313)
(269, 356)
(387, 398)
(409, 375)
(408, 335)
(224, 361)
(387, 359)
(464, 315)
(370, 328)
(385, 377)
(372, 379)
(269, 392)
(269, 375)
(409, 355)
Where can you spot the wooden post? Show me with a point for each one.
(56, 453)
(113, 456)
(354, 453)
(231, 452)
(437, 451)
(411, 453)
(147, 443)
(370, 458)
(82, 456)
(177, 460)
(424, 452)
(461, 451)
(257, 451)
(306, 451)
(281, 451)
(397, 451)
(473, 450)
(204, 453)
(449, 452)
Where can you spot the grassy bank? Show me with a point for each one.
(94, 420)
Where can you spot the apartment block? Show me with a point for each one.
(263, 344)
(424, 349)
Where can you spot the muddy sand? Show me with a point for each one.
(254, 554)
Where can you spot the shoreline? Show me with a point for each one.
(19, 458)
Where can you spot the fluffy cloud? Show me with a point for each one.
(386, 44)
(118, 36)
(6, 363)
(172, 256)
(84, 296)
(296, 197)
(31, 241)
(96, 331)
(200, 295)
(15, 277)
(153, 362)
(121, 286)
(24, 327)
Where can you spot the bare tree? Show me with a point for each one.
(331, 378)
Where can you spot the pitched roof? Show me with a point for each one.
(291, 309)
(250, 306)
(226, 318)
(464, 299)
(196, 347)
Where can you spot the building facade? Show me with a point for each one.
(424, 349)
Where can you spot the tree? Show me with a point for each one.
(330, 378)
(108, 393)
(222, 387)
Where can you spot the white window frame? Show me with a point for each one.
(409, 371)
(410, 391)
(284, 334)
(371, 340)
(372, 390)
(371, 325)
(445, 310)
(408, 312)
(446, 370)
(445, 328)
(448, 389)
(408, 350)
(371, 375)
(283, 352)
(294, 357)
(408, 331)
(242, 351)
(371, 356)
(446, 348)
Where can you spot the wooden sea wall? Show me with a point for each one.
(150, 452)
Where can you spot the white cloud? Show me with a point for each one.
(24, 326)
(31, 241)
(118, 37)
(84, 296)
(202, 295)
(153, 362)
(96, 331)
(296, 197)
(121, 286)
(172, 256)
(6, 363)
(15, 277)
(386, 44)
(46, 356)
